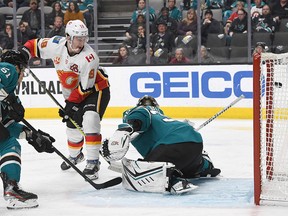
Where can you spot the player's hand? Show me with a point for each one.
(40, 140)
(69, 111)
(15, 109)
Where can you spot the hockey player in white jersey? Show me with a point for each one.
(85, 89)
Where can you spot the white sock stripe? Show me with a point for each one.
(10, 154)
(9, 162)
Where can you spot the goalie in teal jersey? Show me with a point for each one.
(12, 66)
(158, 138)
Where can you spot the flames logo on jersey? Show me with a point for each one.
(68, 79)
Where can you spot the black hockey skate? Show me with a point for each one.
(16, 197)
(91, 169)
(211, 171)
(74, 160)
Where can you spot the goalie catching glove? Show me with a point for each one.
(40, 140)
(116, 147)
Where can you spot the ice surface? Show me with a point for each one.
(230, 146)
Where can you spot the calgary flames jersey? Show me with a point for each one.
(78, 74)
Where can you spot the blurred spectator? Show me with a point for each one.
(138, 45)
(264, 22)
(64, 4)
(73, 12)
(179, 58)
(164, 17)
(138, 41)
(258, 4)
(141, 9)
(206, 57)
(214, 4)
(123, 56)
(56, 11)
(7, 37)
(210, 25)
(163, 39)
(279, 10)
(32, 17)
(188, 26)
(153, 59)
(132, 30)
(174, 12)
(58, 28)
(239, 24)
(239, 6)
(24, 33)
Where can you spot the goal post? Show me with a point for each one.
(270, 125)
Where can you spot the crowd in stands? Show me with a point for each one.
(174, 31)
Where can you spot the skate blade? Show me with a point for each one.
(17, 204)
(180, 191)
(93, 177)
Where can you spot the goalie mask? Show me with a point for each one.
(147, 100)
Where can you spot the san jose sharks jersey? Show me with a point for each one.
(156, 129)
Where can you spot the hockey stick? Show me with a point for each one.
(54, 99)
(117, 166)
(220, 112)
(60, 106)
(103, 185)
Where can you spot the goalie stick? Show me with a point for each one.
(103, 185)
(220, 112)
(117, 166)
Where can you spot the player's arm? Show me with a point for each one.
(44, 47)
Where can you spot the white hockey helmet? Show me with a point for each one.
(76, 28)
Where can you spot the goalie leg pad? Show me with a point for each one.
(145, 176)
(156, 177)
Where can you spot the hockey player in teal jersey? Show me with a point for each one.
(12, 67)
(159, 138)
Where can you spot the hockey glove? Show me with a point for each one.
(116, 147)
(15, 109)
(69, 111)
(40, 140)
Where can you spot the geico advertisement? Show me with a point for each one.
(204, 86)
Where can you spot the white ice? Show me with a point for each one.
(230, 146)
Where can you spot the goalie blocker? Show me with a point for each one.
(155, 177)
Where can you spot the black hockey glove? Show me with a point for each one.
(15, 109)
(69, 111)
(40, 140)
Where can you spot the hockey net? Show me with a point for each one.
(270, 107)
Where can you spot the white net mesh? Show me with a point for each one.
(274, 127)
